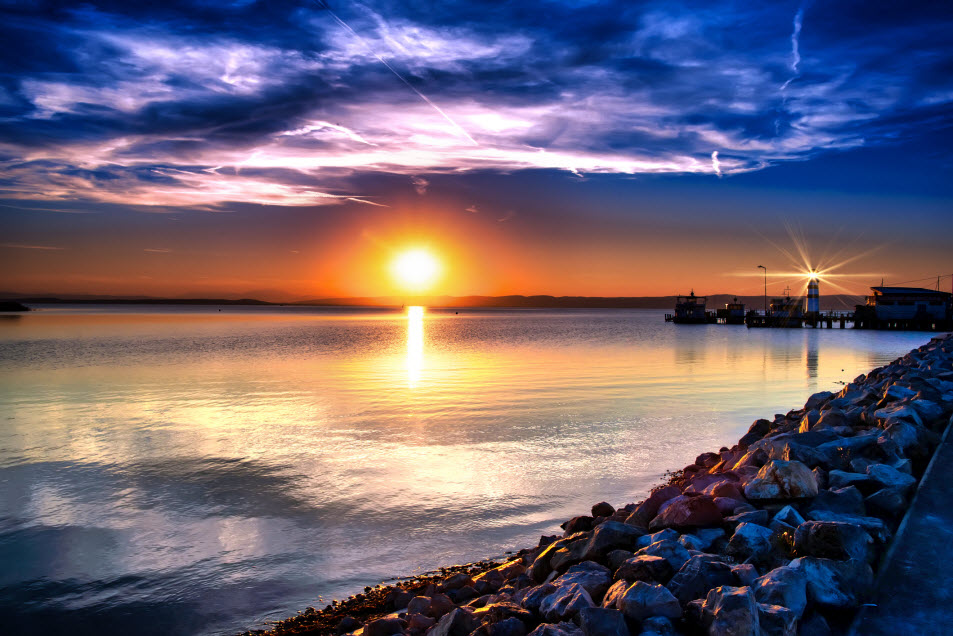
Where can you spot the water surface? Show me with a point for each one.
(202, 470)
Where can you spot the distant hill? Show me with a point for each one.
(837, 302)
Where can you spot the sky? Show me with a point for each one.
(290, 150)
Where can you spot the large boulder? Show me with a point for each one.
(565, 603)
(887, 503)
(875, 527)
(649, 539)
(614, 594)
(558, 629)
(779, 479)
(593, 578)
(775, 620)
(835, 584)
(672, 551)
(700, 574)
(846, 500)
(750, 541)
(833, 540)
(608, 536)
(733, 611)
(459, 622)
(643, 600)
(645, 567)
(783, 586)
(687, 511)
(598, 621)
(387, 627)
(648, 509)
(507, 627)
(603, 509)
(535, 596)
(889, 477)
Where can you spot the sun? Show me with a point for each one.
(416, 269)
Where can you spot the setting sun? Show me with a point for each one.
(416, 269)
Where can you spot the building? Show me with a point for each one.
(905, 308)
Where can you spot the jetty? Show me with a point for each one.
(886, 308)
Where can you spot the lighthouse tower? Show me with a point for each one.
(813, 296)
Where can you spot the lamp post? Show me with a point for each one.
(765, 289)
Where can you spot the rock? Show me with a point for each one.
(455, 582)
(814, 625)
(535, 596)
(691, 542)
(574, 552)
(397, 598)
(789, 516)
(565, 603)
(577, 524)
(835, 584)
(687, 511)
(758, 517)
(657, 626)
(842, 479)
(386, 627)
(783, 586)
(348, 624)
(750, 541)
(708, 536)
(833, 540)
(609, 536)
(707, 460)
(418, 605)
(759, 429)
(593, 578)
(420, 623)
(887, 503)
(775, 620)
(648, 509)
(818, 399)
(614, 595)
(889, 477)
(847, 500)
(645, 567)
(598, 621)
(542, 566)
(697, 576)
(559, 629)
(617, 557)
(497, 612)
(440, 604)
(506, 627)
(603, 509)
(875, 527)
(745, 574)
(643, 600)
(733, 612)
(727, 506)
(780, 479)
(649, 539)
(672, 551)
(464, 594)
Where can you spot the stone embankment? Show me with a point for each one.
(779, 534)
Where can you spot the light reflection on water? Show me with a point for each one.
(189, 470)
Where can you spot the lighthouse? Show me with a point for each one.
(813, 296)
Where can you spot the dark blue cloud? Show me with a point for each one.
(299, 88)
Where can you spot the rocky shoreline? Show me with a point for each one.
(780, 534)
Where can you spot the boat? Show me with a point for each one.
(733, 313)
(690, 310)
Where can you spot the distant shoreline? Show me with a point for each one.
(837, 302)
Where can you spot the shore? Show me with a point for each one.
(780, 534)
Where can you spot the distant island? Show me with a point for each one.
(839, 301)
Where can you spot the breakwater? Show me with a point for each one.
(780, 534)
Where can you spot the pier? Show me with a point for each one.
(887, 308)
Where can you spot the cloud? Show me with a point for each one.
(473, 209)
(420, 185)
(506, 217)
(31, 247)
(157, 250)
(172, 106)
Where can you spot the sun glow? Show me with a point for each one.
(416, 269)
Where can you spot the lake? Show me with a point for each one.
(203, 470)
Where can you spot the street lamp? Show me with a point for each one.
(765, 289)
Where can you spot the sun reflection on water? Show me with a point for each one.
(415, 345)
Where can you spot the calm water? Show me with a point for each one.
(196, 471)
